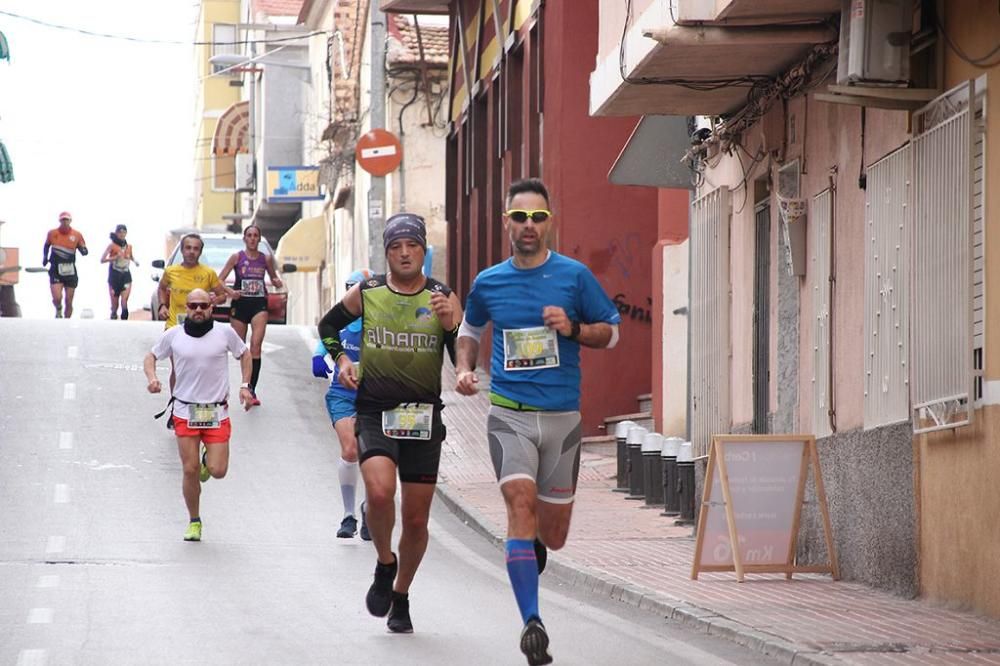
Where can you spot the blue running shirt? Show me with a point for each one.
(513, 298)
(350, 338)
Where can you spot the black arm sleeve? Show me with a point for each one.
(83, 251)
(329, 329)
(449, 343)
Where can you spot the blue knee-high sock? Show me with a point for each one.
(522, 568)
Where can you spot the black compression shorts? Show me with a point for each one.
(417, 460)
(244, 309)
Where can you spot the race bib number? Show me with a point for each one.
(410, 421)
(65, 270)
(252, 288)
(204, 416)
(120, 263)
(530, 349)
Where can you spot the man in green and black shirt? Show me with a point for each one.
(407, 320)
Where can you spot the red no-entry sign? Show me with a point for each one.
(379, 152)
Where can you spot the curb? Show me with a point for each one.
(702, 619)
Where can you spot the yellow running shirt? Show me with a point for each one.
(181, 281)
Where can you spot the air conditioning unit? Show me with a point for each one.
(875, 42)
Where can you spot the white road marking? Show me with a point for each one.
(72, 351)
(268, 347)
(40, 616)
(65, 440)
(688, 653)
(48, 580)
(56, 544)
(62, 494)
(69, 391)
(32, 658)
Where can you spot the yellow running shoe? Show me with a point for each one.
(193, 531)
(204, 474)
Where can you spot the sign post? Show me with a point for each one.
(753, 496)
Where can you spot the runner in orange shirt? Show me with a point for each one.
(64, 241)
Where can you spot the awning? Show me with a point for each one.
(6, 166)
(304, 244)
(232, 131)
(652, 155)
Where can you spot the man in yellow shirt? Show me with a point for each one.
(181, 279)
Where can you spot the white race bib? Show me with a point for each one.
(530, 349)
(65, 270)
(409, 421)
(204, 416)
(252, 288)
(120, 263)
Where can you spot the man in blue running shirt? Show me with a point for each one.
(543, 306)
(340, 405)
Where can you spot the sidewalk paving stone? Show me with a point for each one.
(623, 550)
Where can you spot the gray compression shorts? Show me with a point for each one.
(543, 447)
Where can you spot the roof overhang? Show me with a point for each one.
(415, 6)
(652, 155)
(671, 68)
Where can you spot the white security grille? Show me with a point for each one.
(887, 291)
(709, 317)
(820, 217)
(978, 245)
(941, 365)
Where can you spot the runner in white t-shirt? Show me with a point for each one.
(200, 353)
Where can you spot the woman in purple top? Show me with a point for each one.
(249, 307)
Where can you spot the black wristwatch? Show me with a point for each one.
(574, 331)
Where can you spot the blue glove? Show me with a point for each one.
(320, 368)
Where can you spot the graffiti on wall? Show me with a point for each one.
(629, 311)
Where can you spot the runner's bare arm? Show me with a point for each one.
(163, 291)
(465, 364)
(106, 257)
(597, 335)
(149, 367)
(230, 264)
(222, 292)
(272, 269)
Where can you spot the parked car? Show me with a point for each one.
(218, 248)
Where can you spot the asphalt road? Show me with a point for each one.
(93, 569)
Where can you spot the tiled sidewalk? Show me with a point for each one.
(633, 554)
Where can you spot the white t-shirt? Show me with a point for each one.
(200, 364)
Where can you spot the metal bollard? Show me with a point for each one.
(685, 484)
(668, 454)
(621, 433)
(633, 442)
(652, 468)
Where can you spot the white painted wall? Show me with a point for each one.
(675, 336)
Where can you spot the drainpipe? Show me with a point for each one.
(376, 194)
(832, 409)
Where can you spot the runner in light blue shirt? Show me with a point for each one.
(543, 306)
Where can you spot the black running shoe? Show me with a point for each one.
(379, 597)
(399, 615)
(541, 555)
(365, 534)
(348, 527)
(535, 643)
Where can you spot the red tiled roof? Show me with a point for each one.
(277, 7)
(434, 38)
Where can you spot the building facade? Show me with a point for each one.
(840, 256)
